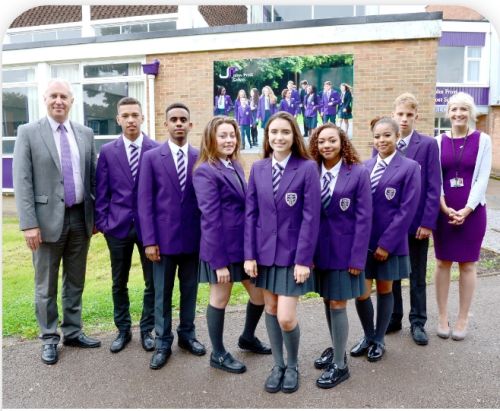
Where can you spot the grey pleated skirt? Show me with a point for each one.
(396, 267)
(280, 281)
(207, 275)
(339, 285)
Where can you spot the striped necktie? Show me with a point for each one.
(402, 146)
(325, 191)
(181, 169)
(134, 159)
(377, 175)
(67, 168)
(234, 173)
(277, 174)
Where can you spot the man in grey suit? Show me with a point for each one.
(54, 183)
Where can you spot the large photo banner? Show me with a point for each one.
(315, 89)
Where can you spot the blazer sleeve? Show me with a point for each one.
(309, 227)
(145, 201)
(93, 161)
(23, 181)
(208, 197)
(363, 226)
(103, 195)
(337, 100)
(400, 224)
(480, 184)
(431, 205)
(251, 216)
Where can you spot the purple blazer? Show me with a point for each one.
(116, 191)
(261, 110)
(311, 107)
(296, 96)
(283, 231)
(221, 200)
(346, 223)
(228, 104)
(329, 104)
(395, 202)
(424, 150)
(169, 217)
(291, 108)
(244, 117)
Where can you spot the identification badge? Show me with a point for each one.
(390, 193)
(291, 199)
(456, 182)
(344, 203)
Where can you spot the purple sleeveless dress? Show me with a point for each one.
(459, 243)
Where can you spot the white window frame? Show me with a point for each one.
(483, 69)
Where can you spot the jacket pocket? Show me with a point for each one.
(41, 199)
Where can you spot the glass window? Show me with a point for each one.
(107, 31)
(8, 146)
(450, 65)
(45, 35)
(21, 37)
(19, 106)
(474, 52)
(292, 13)
(69, 33)
(112, 70)
(162, 26)
(473, 71)
(325, 12)
(69, 72)
(135, 28)
(360, 10)
(268, 14)
(18, 75)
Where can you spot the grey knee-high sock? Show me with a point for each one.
(275, 339)
(254, 312)
(291, 340)
(366, 313)
(328, 316)
(385, 305)
(215, 322)
(340, 332)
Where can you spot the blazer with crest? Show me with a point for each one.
(116, 190)
(395, 202)
(221, 199)
(169, 217)
(346, 222)
(283, 231)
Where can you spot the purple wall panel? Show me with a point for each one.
(7, 173)
(480, 94)
(457, 39)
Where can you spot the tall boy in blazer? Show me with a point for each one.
(329, 101)
(118, 218)
(170, 227)
(424, 151)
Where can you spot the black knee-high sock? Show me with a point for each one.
(385, 304)
(291, 340)
(275, 339)
(254, 312)
(215, 322)
(340, 332)
(328, 316)
(366, 313)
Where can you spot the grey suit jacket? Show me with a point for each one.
(38, 183)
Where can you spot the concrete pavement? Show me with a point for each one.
(444, 374)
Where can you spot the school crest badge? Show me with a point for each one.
(344, 203)
(390, 193)
(291, 199)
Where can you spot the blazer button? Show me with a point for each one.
(62, 200)
(62, 181)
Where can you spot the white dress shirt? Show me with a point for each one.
(137, 142)
(387, 161)
(334, 171)
(175, 149)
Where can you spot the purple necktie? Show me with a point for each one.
(67, 168)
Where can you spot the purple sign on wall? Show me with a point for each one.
(7, 173)
(480, 94)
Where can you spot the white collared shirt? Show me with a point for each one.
(282, 163)
(175, 149)
(225, 162)
(387, 161)
(222, 102)
(138, 142)
(334, 171)
(75, 154)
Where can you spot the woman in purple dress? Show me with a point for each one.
(465, 165)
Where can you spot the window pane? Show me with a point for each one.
(8, 146)
(69, 33)
(162, 26)
(14, 76)
(16, 108)
(291, 13)
(44, 35)
(474, 52)
(473, 71)
(107, 31)
(100, 142)
(450, 65)
(360, 10)
(135, 28)
(68, 72)
(99, 104)
(112, 70)
(21, 37)
(268, 14)
(325, 12)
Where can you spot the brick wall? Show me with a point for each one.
(492, 127)
(379, 76)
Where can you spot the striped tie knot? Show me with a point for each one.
(377, 175)
(181, 169)
(401, 146)
(277, 174)
(134, 159)
(325, 190)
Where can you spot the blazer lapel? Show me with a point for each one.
(48, 139)
(230, 177)
(241, 174)
(390, 171)
(121, 158)
(189, 176)
(414, 145)
(81, 148)
(288, 175)
(168, 163)
(265, 180)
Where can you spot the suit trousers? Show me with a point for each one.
(72, 248)
(418, 299)
(164, 277)
(120, 252)
(328, 118)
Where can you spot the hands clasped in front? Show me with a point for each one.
(458, 217)
(300, 272)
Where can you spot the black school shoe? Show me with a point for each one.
(376, 352)
(361, 348)
(290, 380)
(275, 379)
(333, 376)
(227, 363)
(256, 346)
